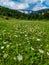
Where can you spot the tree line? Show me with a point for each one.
(41, 14)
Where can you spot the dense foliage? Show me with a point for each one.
(41, 14)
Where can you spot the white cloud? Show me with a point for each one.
(14, 5)
(42, 1)
(47, 2)
(29, 1)
(39, 6)
(24, 4)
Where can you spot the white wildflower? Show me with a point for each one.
(4, 31)
(5, 55)
(28, 41)
(47, 53)
(5, 42)
(14, 58)
(16, 35)
(16, 44)
(30, 29)
(20, 44)
(41, 45)
(38, 39)
(7, 46)
(25, 35)
(33, 38)
(2, 47)
(9, 33)
(21, 32)
(32, 48)
(41, 51)
(19, 57)
(10, 43)
(25, 31)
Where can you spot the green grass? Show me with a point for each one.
(24, 42)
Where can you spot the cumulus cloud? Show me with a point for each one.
(14, 5)
(47, 2)
(36, 8)
(39, 6)
(24, 4)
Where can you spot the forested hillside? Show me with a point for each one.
(42, 14)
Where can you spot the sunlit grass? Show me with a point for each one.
(24, 42)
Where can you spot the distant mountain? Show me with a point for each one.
(12, 13)
(6, 11)
(24, 14)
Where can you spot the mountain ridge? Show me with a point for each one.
(44, 13)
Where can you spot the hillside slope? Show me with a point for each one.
(40, 14)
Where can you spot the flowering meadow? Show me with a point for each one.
(24, 42)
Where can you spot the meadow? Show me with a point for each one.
(24, 42)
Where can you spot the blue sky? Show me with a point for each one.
(25, 4)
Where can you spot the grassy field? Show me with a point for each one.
(24, 42)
